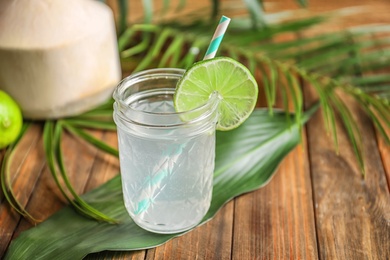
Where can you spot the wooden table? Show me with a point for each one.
(316, 206)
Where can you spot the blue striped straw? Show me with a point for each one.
(217, 38)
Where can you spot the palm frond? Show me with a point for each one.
(5, 178)
(90, 139)
(256, 12)
(52, 145)
(350, 62)
(123, 11)
(344, 61)
(254, 8)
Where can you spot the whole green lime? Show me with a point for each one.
(11, 120)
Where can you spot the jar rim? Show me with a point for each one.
(143, 75)
(205, 110)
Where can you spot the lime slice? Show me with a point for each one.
(10, 120)
(235, 85)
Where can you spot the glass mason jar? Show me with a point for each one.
(166, 158)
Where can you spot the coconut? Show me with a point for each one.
(57, 58)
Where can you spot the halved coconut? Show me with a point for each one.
(57, 58)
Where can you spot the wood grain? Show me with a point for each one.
(47, 199)
(209, 241)
(384, 150)
(25, 173)
(105, 166)
(317, 206)
(277, 221)
(352, 213)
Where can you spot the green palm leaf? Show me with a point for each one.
(344, 61)
(52, 145)
(246, 159)
(350, 62)
(5, 178)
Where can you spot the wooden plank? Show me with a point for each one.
(209, 241)
(134, 255)
(277, 222)
(352, 213)
(25, 171)
(87, 169)
(384, 150)
(106, 166)
(78, 158)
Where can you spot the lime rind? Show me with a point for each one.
(11, 120)
(234, 83)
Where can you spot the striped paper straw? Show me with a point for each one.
(217, 38)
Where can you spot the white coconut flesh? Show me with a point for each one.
(57, 58)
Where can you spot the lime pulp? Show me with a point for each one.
(236, 87)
